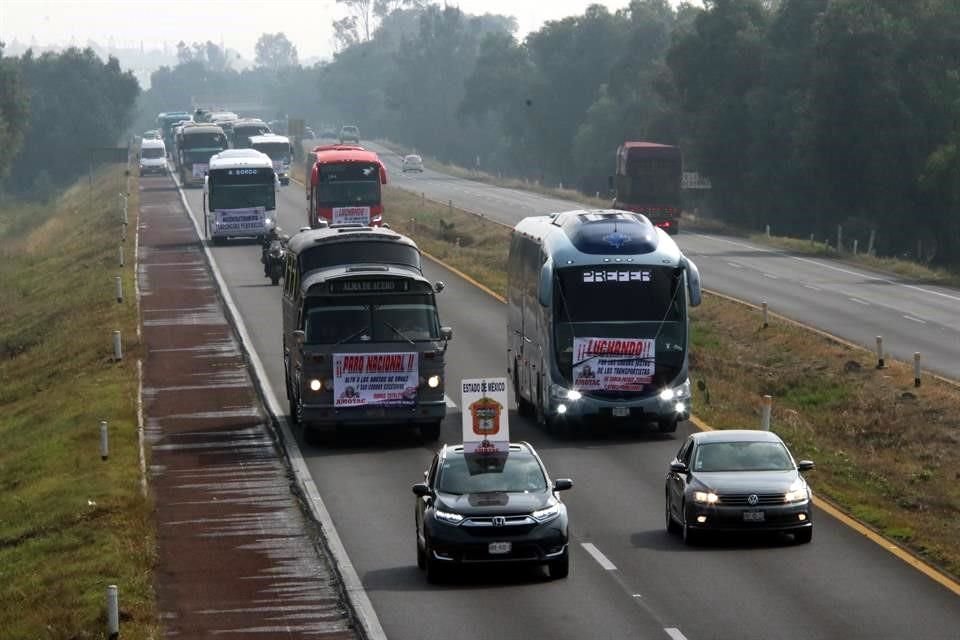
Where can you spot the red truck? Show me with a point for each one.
(343, 186)
(647, 181)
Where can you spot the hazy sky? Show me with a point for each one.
(237, 23)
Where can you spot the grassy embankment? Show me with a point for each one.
(885, 451)
(70, 524)
(905, 268)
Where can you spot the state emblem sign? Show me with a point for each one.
(485, 423)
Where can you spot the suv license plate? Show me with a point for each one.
(621, 412)
(499, 547)
(753, 516)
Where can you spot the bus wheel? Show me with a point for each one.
(667, 425)
(430, 431)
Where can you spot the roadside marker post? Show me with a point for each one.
(119, 286)
(117, 347)
(120, 254)
(916, 369)
(113, 612)
(766, 317)
(765, 409)
(104, 441)
(880, 364)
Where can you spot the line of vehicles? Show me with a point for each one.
(598, 331)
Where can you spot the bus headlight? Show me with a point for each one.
(680, 407)
(328, 384)
(315, 385)
(574, 395)
(433, 381)
(561, 409)
(667, 394)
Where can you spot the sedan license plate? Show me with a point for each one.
(496, 548)
(621, 412)
(753, 516)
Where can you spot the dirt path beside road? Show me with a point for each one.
(236, 555)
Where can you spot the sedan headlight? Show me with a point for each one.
(448, 516)
(547, 513)
(706, 497)
(797, 492)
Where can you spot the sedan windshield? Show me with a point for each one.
(519, 473)
(742, 456)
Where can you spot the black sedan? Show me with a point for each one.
(490, 508)
(738, 480)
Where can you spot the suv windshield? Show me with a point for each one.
(519, 472)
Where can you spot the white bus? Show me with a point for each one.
(239, 195)
(597, 319)
(280, 151)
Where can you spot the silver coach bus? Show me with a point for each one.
(597, 323)
(362, 340)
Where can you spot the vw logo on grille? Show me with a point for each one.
(499, 521)
(753, 499)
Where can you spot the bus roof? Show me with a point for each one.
(600, 236)
(152, 143)
(646, 145)
(343, 153)
(351, 271)
(331, 235)
(268, 137)
(199, 128)
(247, 158)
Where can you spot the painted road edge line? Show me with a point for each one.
(357, 598)
(902, 553)
(597, 555)
(674, 633)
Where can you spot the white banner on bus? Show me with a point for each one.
(613, 364)
(351, 215)
(200, 170)
(485, 425)
(361, 379)
(251, 219)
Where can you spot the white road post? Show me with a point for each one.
(120, 254)
(839, 238)
(450, 207)
(113, 612)
(768, 231)
(119, 282)
(811, 240)
(117, 347)
(880, 364)
(765, 409)
(916, 369)
(855, 243)
(104, 440)
(766, 322)
(873, 237)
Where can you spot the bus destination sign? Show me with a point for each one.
(385, 285)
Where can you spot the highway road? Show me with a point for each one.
(635, 581)
(849, 302)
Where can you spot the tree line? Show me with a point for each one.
(55, 108)
(805, 114)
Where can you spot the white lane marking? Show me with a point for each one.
(735, 265)
(601, 559)
(858, 301)
(915, 319)
(812, 288)
(674, 633)
(828, 266)
(450, 403)
(771, 276)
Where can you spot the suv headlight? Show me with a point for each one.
(447, 516)
(547, 513)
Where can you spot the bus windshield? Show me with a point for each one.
(349, 184)
(363, 319)
(276, 150)
(630, 303)
(242, 188)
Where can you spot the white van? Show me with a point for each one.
(153, 156)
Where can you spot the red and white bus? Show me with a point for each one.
(344, 186)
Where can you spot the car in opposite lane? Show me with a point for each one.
(349, 133)
(412, 162)
(737, 480)
(479, 508)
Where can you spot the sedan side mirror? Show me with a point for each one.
(446, 333)
(805, 465)
(421, 490)
(678, 467)
(562, 484)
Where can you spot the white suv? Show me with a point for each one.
(412, 162)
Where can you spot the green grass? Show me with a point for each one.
(70, 524)
(885, 451)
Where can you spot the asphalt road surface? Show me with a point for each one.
(849, 302)
(635, 581)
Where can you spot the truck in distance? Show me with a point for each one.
(647, 181)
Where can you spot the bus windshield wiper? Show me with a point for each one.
(398, 332)
(352, 336)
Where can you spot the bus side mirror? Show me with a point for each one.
(439, 286)
(545, 289)
(446, 333)
(299, 336)
(693, 281)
